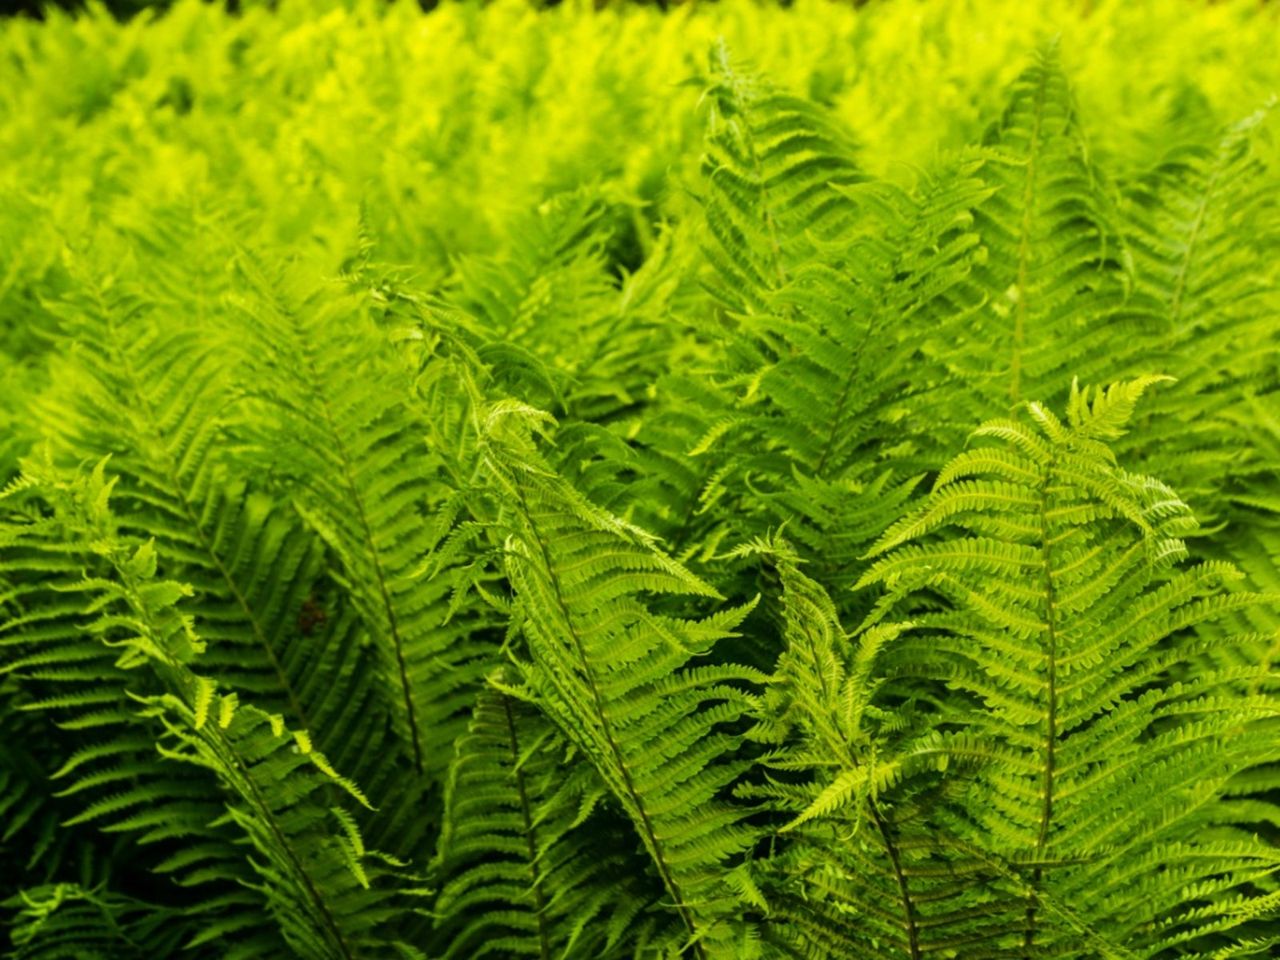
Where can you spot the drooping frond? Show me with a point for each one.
(156, 396)
(105, 777)
(327, 894)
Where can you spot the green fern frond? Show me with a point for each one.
(525, 871)
(615, 673)
(351, 447)
(154, 398)
(1048, 585)
(1057, 275)
(502, 482)
(279, 792)
(69, 922)
(774, 166)
(859, 868)
(1203, 228)
(847, 375)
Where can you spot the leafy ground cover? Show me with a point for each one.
(738, 482)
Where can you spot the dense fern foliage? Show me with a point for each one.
(737, 482)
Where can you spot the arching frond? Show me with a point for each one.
(69, 922)
(502, 481)
(614, 673)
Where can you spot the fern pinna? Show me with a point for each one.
(723, 483)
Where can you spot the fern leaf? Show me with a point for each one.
(1072, 663)
(524, 874)
(614, 673)
(352, 449)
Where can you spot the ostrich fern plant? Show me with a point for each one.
(580, 515)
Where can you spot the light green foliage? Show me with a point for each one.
(738, 482)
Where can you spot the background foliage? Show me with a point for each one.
(744, 482)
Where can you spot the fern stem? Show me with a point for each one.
(766, 212)
(1051, 718)
(294, 703)
(837, 419)
(606, 726)
(530, 834)
(895, 859)
(1024, 242)
(313, 894)
(1180, 281)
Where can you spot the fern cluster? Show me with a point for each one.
(735, 483)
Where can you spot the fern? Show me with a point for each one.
(312, 880)
(1057, 275)
(1071, 659)
(1199, 222)
(153, 398)
(614, 674)
(569, 483)
(524, 850)
(856, 775)
(371, 517)
(776, 165)
(67, 920)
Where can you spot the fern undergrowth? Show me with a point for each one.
(727, 483)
